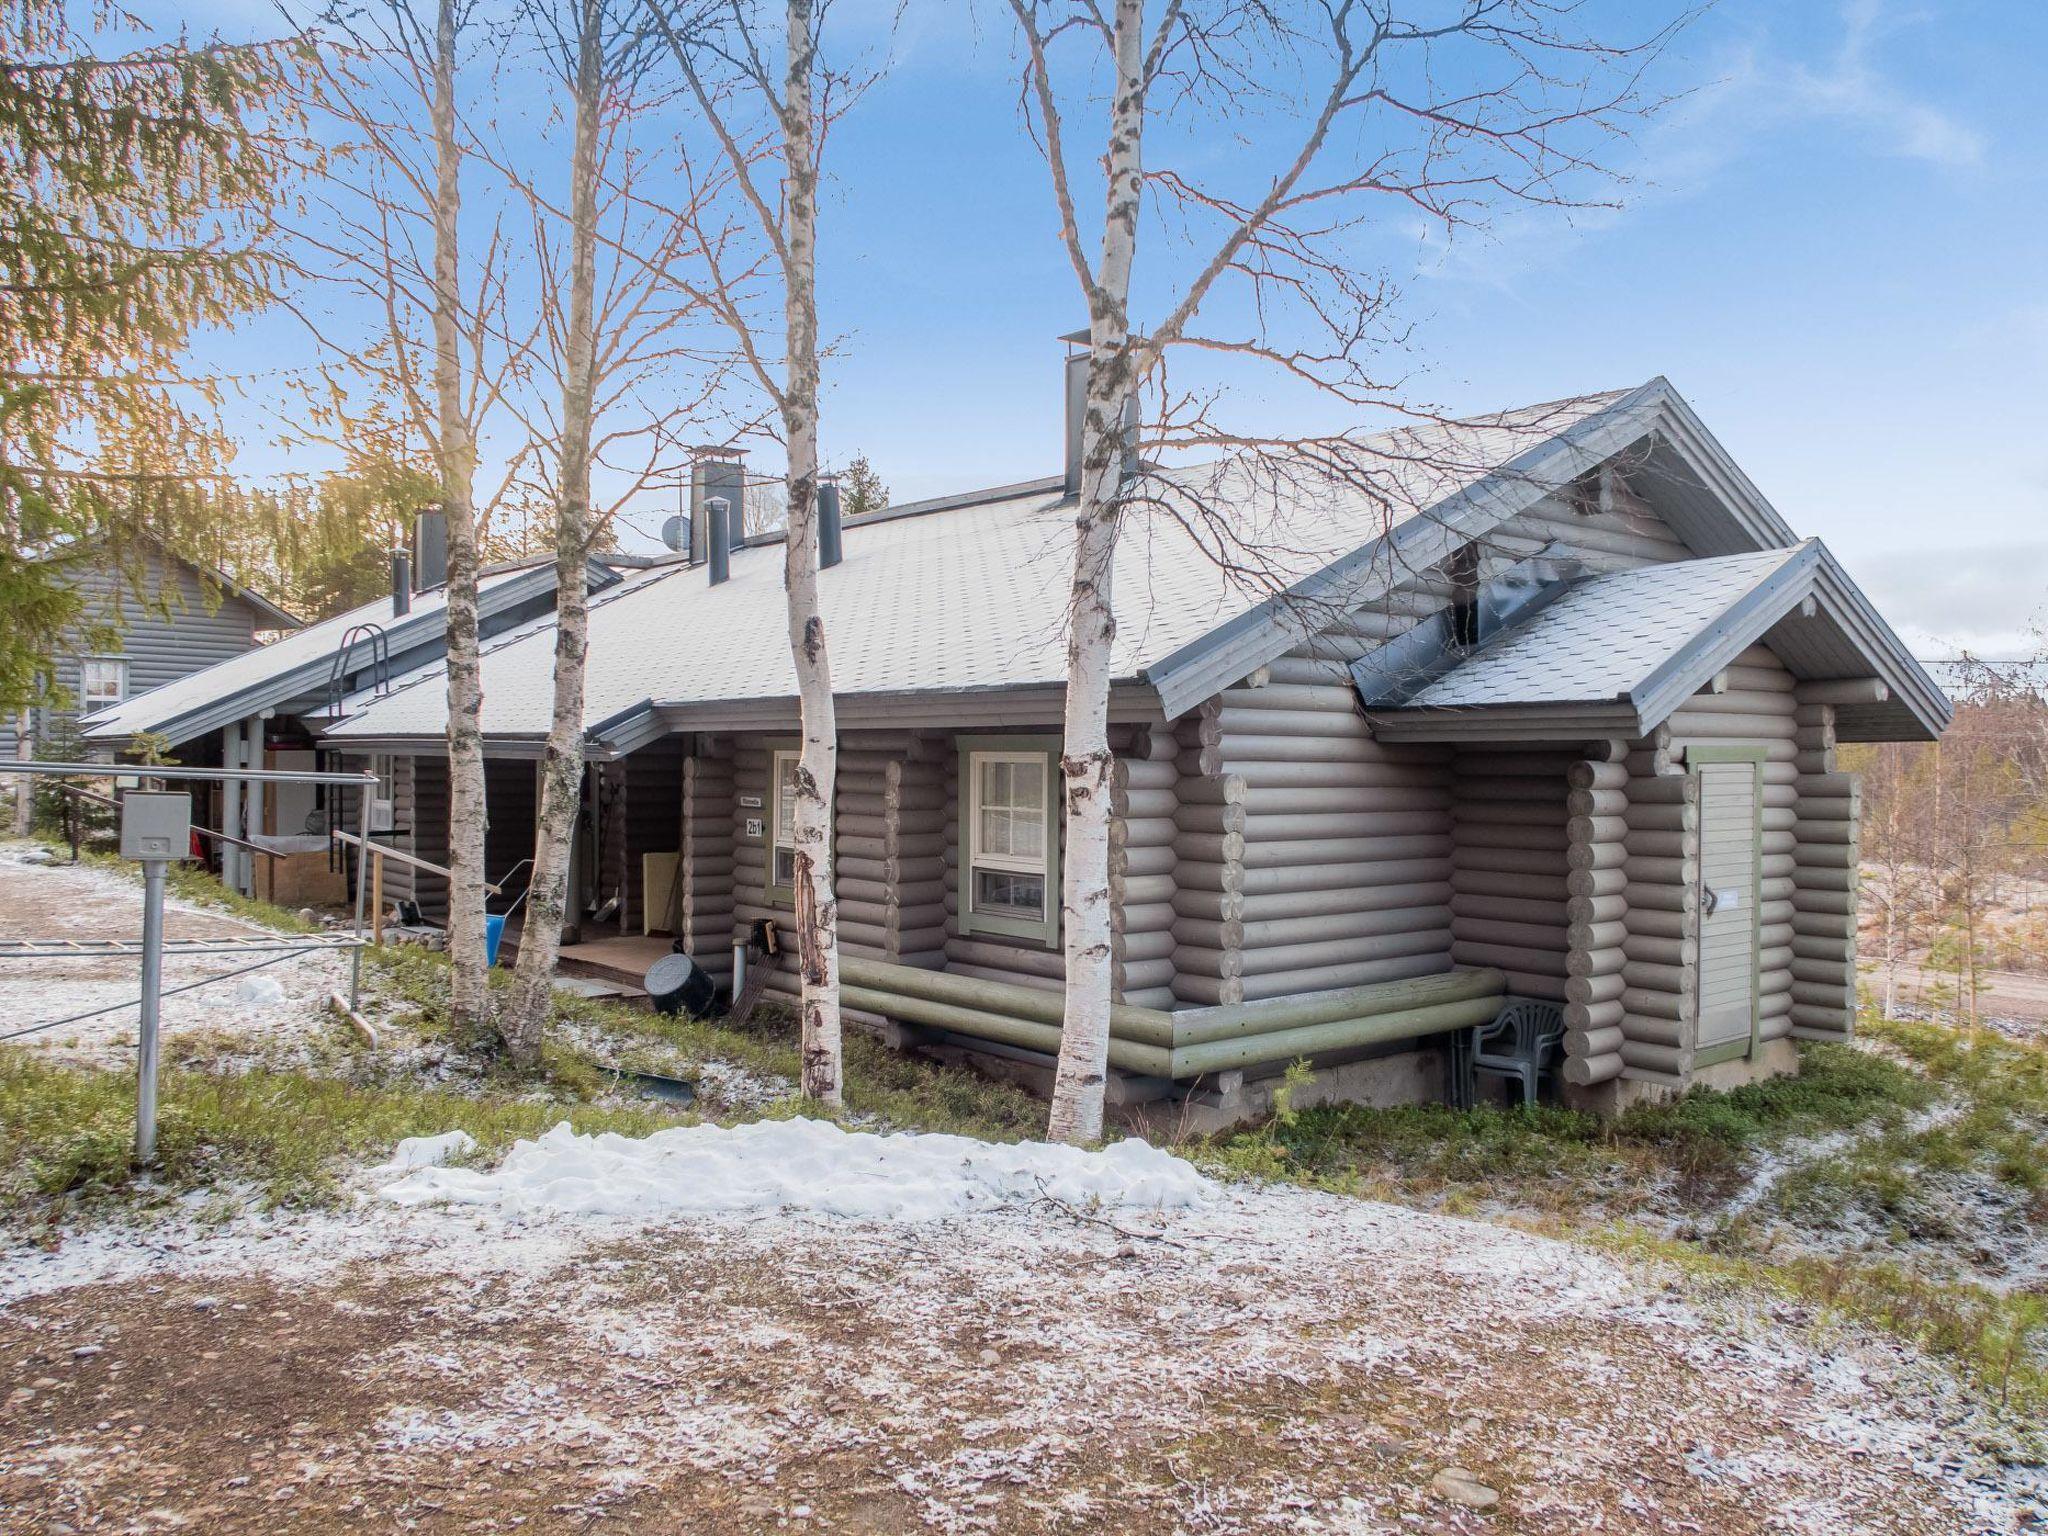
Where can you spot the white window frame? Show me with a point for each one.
(779, 836)
(86, 706)
(975, 753)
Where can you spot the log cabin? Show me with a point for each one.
(1537, 705)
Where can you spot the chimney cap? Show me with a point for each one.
(717, 451)
(1079, 338)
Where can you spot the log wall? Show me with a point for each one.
(1597, 933)
(1828, 816)
(1307, 855)
(650, 812)
(1658, 881)
(1509, 839)
(704, 873)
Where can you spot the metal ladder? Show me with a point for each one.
(337, 687)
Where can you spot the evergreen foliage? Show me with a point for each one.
(137, 188)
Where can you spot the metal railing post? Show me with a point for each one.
(152, 1005)
(364, 793)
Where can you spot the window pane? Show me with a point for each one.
(1030, 787)
(785, 800)
(1009, 894)
(785, 866)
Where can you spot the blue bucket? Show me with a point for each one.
(494, 930)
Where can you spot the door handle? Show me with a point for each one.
(1710, 902)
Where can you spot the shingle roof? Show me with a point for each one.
(1608, 637)
(970, 593)
(280, 665)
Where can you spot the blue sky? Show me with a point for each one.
(1835, 245)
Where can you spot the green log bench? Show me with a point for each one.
(1185, 1043)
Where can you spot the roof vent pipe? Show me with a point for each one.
(721, 539)
(828, 522)
(430, 549)
(1077, 408)
(1077, 411)
(401, 583)
(719, 472)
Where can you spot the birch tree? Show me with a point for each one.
(448, 350)
(729, 71)
(1449, 110)
(618, 340)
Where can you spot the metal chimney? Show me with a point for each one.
(720, 538)
(828, 522)
(430, 549)
(719, 472)
(401, 583)
(1077, 408)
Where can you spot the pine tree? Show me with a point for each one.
(862, 488)
(136, 186)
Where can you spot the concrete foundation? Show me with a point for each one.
(1774, 1058)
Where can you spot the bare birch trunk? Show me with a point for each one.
(24, 785)
(817, 909)
(456, 448)
(561, 782)
(1085, 759)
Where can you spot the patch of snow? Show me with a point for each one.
(260, 991)
(805, 1165)
(428, 1151)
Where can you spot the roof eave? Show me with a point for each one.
(1219, 658)
(313, 673)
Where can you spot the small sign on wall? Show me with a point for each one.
(754, 828)
(750, 802)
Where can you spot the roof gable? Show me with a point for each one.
(1618, 654)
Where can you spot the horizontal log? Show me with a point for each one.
(1595, 882)
(1509, 957)
(1597, 802)
(1672, 1059)
(1584, 1016)
(1258, 988)
(1548, 885)
(1586, 1071)
(1351, 1034)
(1593, 1042)
(1583, 776)
(1511, 909)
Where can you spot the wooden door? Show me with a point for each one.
(1730, 844)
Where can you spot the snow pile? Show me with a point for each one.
(428, 1151)
(804, 1165)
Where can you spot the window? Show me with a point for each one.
(102, 681)
(782, 845)
(1011, 842)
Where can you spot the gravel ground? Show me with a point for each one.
(84, 902)
(1273, 1360)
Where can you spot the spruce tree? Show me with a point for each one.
(138, 185)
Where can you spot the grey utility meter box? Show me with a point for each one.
(156, 824)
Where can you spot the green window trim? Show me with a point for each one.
(1045, 930)
(1740, 1050)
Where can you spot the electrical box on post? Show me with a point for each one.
(156, 824)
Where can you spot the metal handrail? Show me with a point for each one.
(380, 851)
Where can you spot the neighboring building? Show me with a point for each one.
(172, 618)
(1546, 707)
(266, 708)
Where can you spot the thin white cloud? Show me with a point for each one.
(1853, 89)
(1745, 94)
